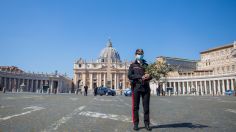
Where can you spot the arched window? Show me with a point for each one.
(233, 67)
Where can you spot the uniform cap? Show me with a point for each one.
(139, 51)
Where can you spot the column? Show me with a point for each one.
(115, 85)
(170, 86)
(100, 79)
(178, 88)
(51, 86)
(76, 80)
(210, 87)
(232, 84)
(174, 88)
(1, 81)
(188, 88)
(201, 87)
(19, 83)
(5, 83)
(32, 86)
(228, 87)
(205, 87)
(39, 86)
(83, 80)
(184, 88)
(28, 90)
(14, 85)
(97, 78)
(59, 86)
(218, 84)
(214, 87)
(104, 79)
(163, 86)
(111, 79)
(124, 81)
(223, 87)
(10, 87)
(91, 80)
(36, 86)
(195, 86)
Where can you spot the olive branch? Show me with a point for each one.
(157, 70)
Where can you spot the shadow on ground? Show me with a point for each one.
(181, 125)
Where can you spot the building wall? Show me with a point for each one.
(219, 60)
(13, 81)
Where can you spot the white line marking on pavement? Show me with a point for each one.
(2, 107)
(168, 101)
(23, 97)
(30, 97)
(27, 97)
(74, 99)
(106, 116)
(9, 98)
(231, 110)
(225, 101)
(151, 121)
(104, 100)
(34, 108)
(127, 104)
(63, 120)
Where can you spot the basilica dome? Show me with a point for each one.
(109, 53)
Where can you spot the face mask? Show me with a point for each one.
(139, 57)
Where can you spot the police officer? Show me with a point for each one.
(85, 90)
(140, 88)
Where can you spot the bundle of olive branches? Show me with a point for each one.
(157, 70)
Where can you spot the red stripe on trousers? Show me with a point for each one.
(133, 107)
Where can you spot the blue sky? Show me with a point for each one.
(49, 35)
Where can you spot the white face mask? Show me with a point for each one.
(139, 57)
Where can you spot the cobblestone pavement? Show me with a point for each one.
(23, 112)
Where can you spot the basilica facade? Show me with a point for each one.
(107, 70)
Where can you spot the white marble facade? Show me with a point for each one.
(107, 70)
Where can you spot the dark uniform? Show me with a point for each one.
(140, 88)
(85, 90)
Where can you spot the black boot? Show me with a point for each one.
(148, 128)
(136, 127)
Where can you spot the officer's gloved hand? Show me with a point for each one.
(145, 77)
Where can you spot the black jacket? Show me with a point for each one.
(136, 71)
